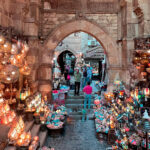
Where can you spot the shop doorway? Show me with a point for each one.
(66, 60)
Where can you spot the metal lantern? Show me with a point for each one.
(25, 70)
(14, 49)
(9, 74)
(7, 47)
(2, 40)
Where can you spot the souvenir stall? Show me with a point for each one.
(22, 112)
(124, 118)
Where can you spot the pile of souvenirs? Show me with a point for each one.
(56, 118)
(125, 115)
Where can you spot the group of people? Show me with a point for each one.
(83, 79)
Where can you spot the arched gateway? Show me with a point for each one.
(109, 45)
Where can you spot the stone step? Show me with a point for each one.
(76, 117)
(76, 101)
(75, 97)
(77, 106)
(72, 92)
(79, 117)
(10, 148)
(35, 130)
(28, 125)
(76, 113)
(42, 137)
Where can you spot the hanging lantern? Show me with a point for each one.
(19, 142)
(13, 135)
(4, 120)
(1, 100)
(7, 47)
(4, 61)
(136, 60)
(36, 138)
(25, 49)
(25, 70)
(144, 61)
(2, 40)
(14, 49)
(28, 136)
(21, 123)
(6, 108)
(20, 60)
(10, 74)
(147, 91)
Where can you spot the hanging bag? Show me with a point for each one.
(68, 77)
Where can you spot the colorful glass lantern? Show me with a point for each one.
(109, 96)
(147, 91)
(2, 40)
(97, 102)
(117, 82)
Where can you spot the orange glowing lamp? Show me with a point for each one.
(28, 136)
(6, 108)
(21, 123)
(5, 120)
(36, 138)
(20, 142)
(109, 96)
(23, 136)
(13, 135)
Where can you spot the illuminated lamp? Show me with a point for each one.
(2, 40)
(97, 102)
(7, 47)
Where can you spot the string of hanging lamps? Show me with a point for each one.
(13, 60)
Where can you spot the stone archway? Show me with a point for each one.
(108, 43)
(59, 52)
(62, 31)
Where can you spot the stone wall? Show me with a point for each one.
(108, 22)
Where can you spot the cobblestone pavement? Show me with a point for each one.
(77, 136)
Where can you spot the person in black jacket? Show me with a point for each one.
(84, 76)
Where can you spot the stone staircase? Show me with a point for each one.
(35, 130)
(75, 104)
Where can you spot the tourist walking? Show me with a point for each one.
(77, 76)
(84, 76)
(89, 74)
(68, 80)
(66, 74)
(88, 91)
